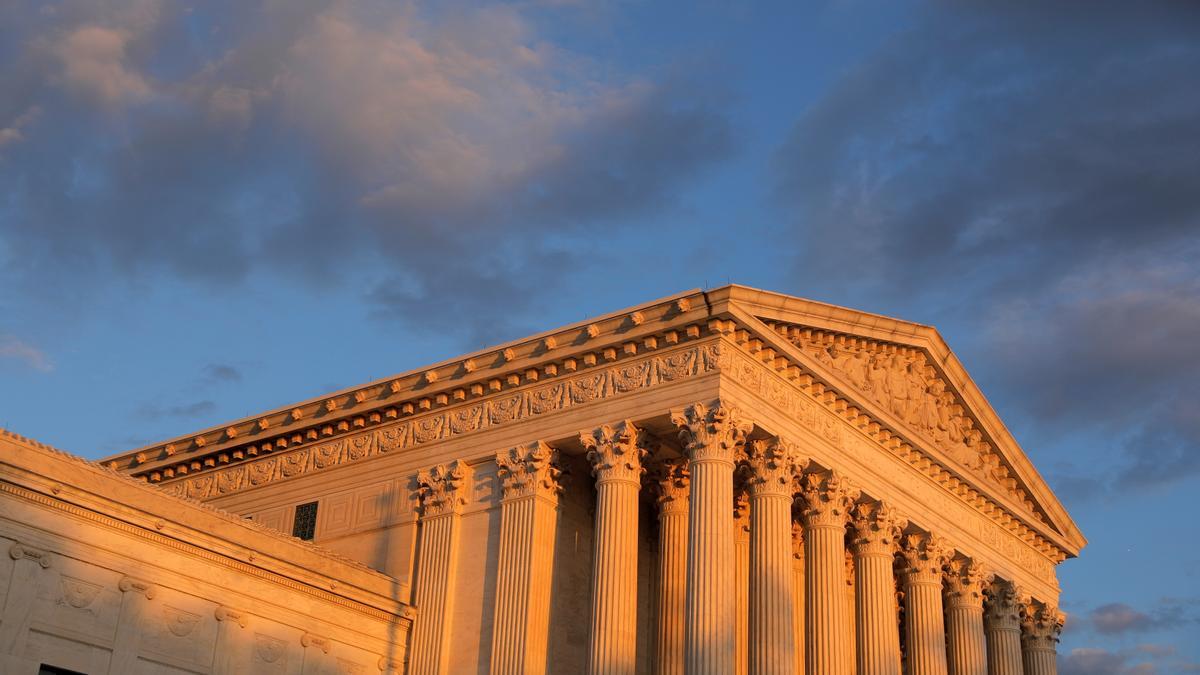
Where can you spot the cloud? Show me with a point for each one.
(151, 411)
(1097, 661)
(1114, 619)
(414, 153)
(222, 372)
(1003, 165)
(92, 59)
(12, 347)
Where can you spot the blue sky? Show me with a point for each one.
(213, 209)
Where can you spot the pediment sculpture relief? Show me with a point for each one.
(901, 380)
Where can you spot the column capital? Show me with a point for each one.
(529, 470)
(671, 485)
(827, 499)
(770, 466)
(616, 451)
(1041, 625)
(924, 556)
(1003, 605)
(443, 488)
(797, 541)
(711, 434)
(965, 582)
(877, 529)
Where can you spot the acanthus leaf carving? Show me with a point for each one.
(444, 488)
(1041, 626)
(770, 465)
(529, 470)
(672, 485)
(827, 498)
(876, 529)
(1003, 605)
(711, 434)
(616, 451)
(924, 556)
(966, 581)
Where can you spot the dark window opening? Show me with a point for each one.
(305, 525)
(55, 670)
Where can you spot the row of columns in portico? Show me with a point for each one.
(801, 615)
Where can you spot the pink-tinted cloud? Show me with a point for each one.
(12, 347)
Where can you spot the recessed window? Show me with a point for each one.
(305, 525)
(55, 670)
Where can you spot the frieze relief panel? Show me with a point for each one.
(902, 381)
(601, 383)
(806, 412)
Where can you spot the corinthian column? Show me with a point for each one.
(967, 648)
(443, 492)
(876, 537)
(827, 500)
(529, 478)
(924, 555)
(1040, 628)
(770, 467)
(741, 579)
(712, 438)
(615, 453)
(1002, 623)
(672, 488)
(798, 595)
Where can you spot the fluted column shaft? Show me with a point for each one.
(741, 582)
(673, 488)
(712, 438)
(965, 642)
(1040, 628)
(443, 492)
(827, 500)
(875, 539)
(1002, 624)
(616, 456)
(798, 596)
(924, 621)
(528, 519)
(771, 467)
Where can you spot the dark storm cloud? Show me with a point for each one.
(321, 140)
(1030, 171)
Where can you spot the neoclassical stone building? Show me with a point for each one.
(731, 481)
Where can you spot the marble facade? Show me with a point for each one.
(730, 481)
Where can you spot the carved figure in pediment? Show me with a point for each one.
(877, 379)
(856, 369)
(823, 355)
(897, 388)
(918, 386)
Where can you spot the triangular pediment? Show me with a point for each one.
(905, 375)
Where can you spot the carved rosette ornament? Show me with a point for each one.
(770, 467)
(966, 581)
(616, 452)
(529, 470)
(827, 499)
(876, 529)
(711, 434)
(443, 488)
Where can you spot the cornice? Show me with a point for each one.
(696, 357)
(62, 477)
(545, 356)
